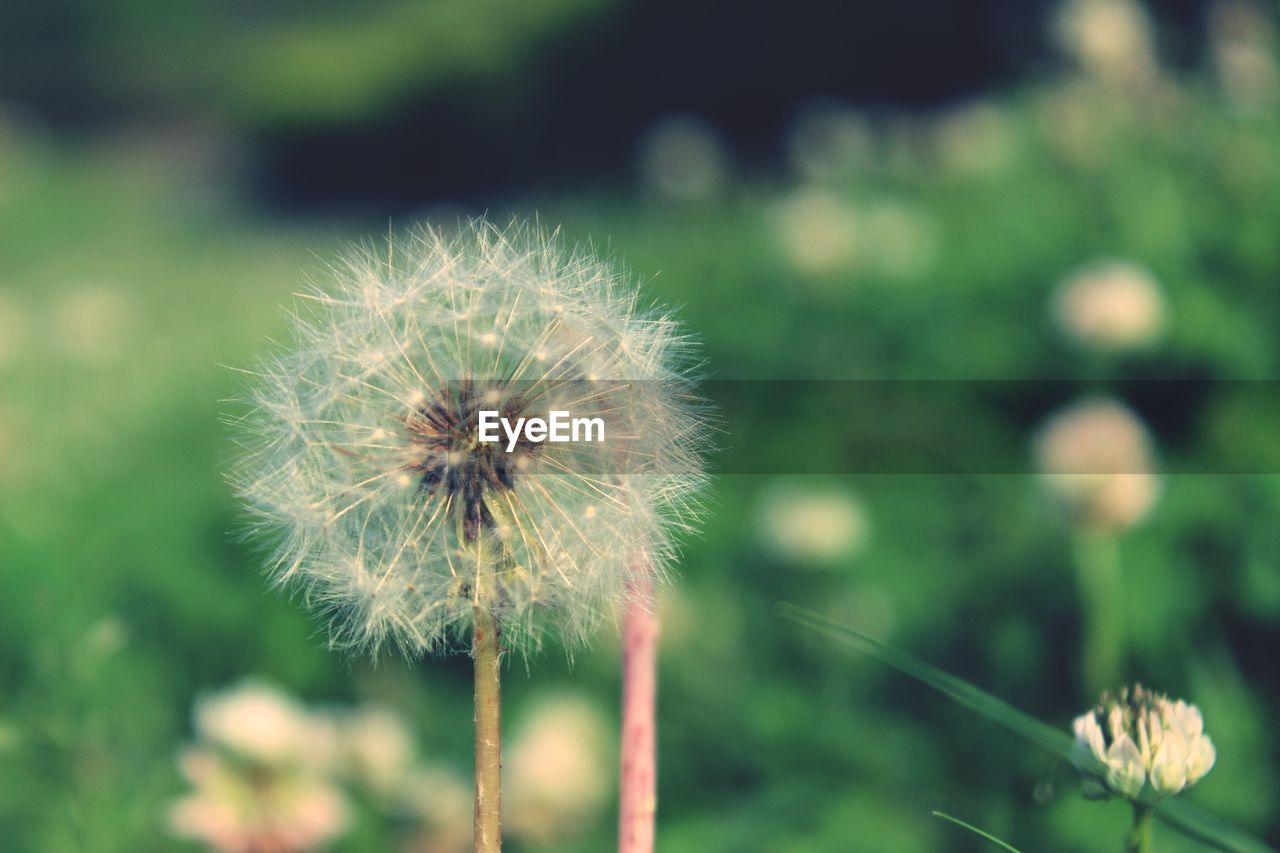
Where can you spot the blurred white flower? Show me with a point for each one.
(376, 749)
(829, 142)
(260, 724)
(1112, 305)
(557, 774)
(13, 325)
(682, 159)
(91, 323)
(974, 139)
(1077, 124)
(438, 802)
(106, 636)
(812, 525)
(364, 451)
(261, 775)
(1096, 458)
(904, 236)
(1139, 738)
(816, 230)
(8, 735)
(1111, 40)
(248, 808)
(1242, 43)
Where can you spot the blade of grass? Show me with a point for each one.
(958, 822)
(1183, 816)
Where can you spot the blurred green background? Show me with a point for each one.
(857, 190)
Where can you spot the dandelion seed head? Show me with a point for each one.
(364, 452)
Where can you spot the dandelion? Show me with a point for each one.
(1138, 740)
(403, 523)
(1096, 460)
(1110, 305)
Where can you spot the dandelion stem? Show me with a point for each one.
(1097, 561)
(1139, 838)
(638, 788)
(488, 725)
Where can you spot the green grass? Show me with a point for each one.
(113, 507)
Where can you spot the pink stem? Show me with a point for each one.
(638, 791)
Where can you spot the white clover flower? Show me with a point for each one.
(1111, 40)
(558, 769)
(13, 325)
(817, 231)
(1095, 457)
(260, 775)
(1242, 43)
(974, 140)
(236, 808)
(830, 141)
(1112, 305)
(814, 526)
(683, 160)
(376, 748)
(364, 447)
(437, 802)
(260, 724)
(1140, 738)
(91, 323)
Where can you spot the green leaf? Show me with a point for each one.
(958, 822)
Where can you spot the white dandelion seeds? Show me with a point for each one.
(396, 520)
(363, 451)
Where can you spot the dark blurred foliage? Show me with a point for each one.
(565, 105)
(982, 172)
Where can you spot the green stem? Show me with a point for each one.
(1097, 560)
(1139, 838)
(488, 724)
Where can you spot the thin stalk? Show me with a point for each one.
(1139, 838)
(637, 793)
(1097, 560)
(487, 652)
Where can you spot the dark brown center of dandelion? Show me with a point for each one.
(452, 461)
